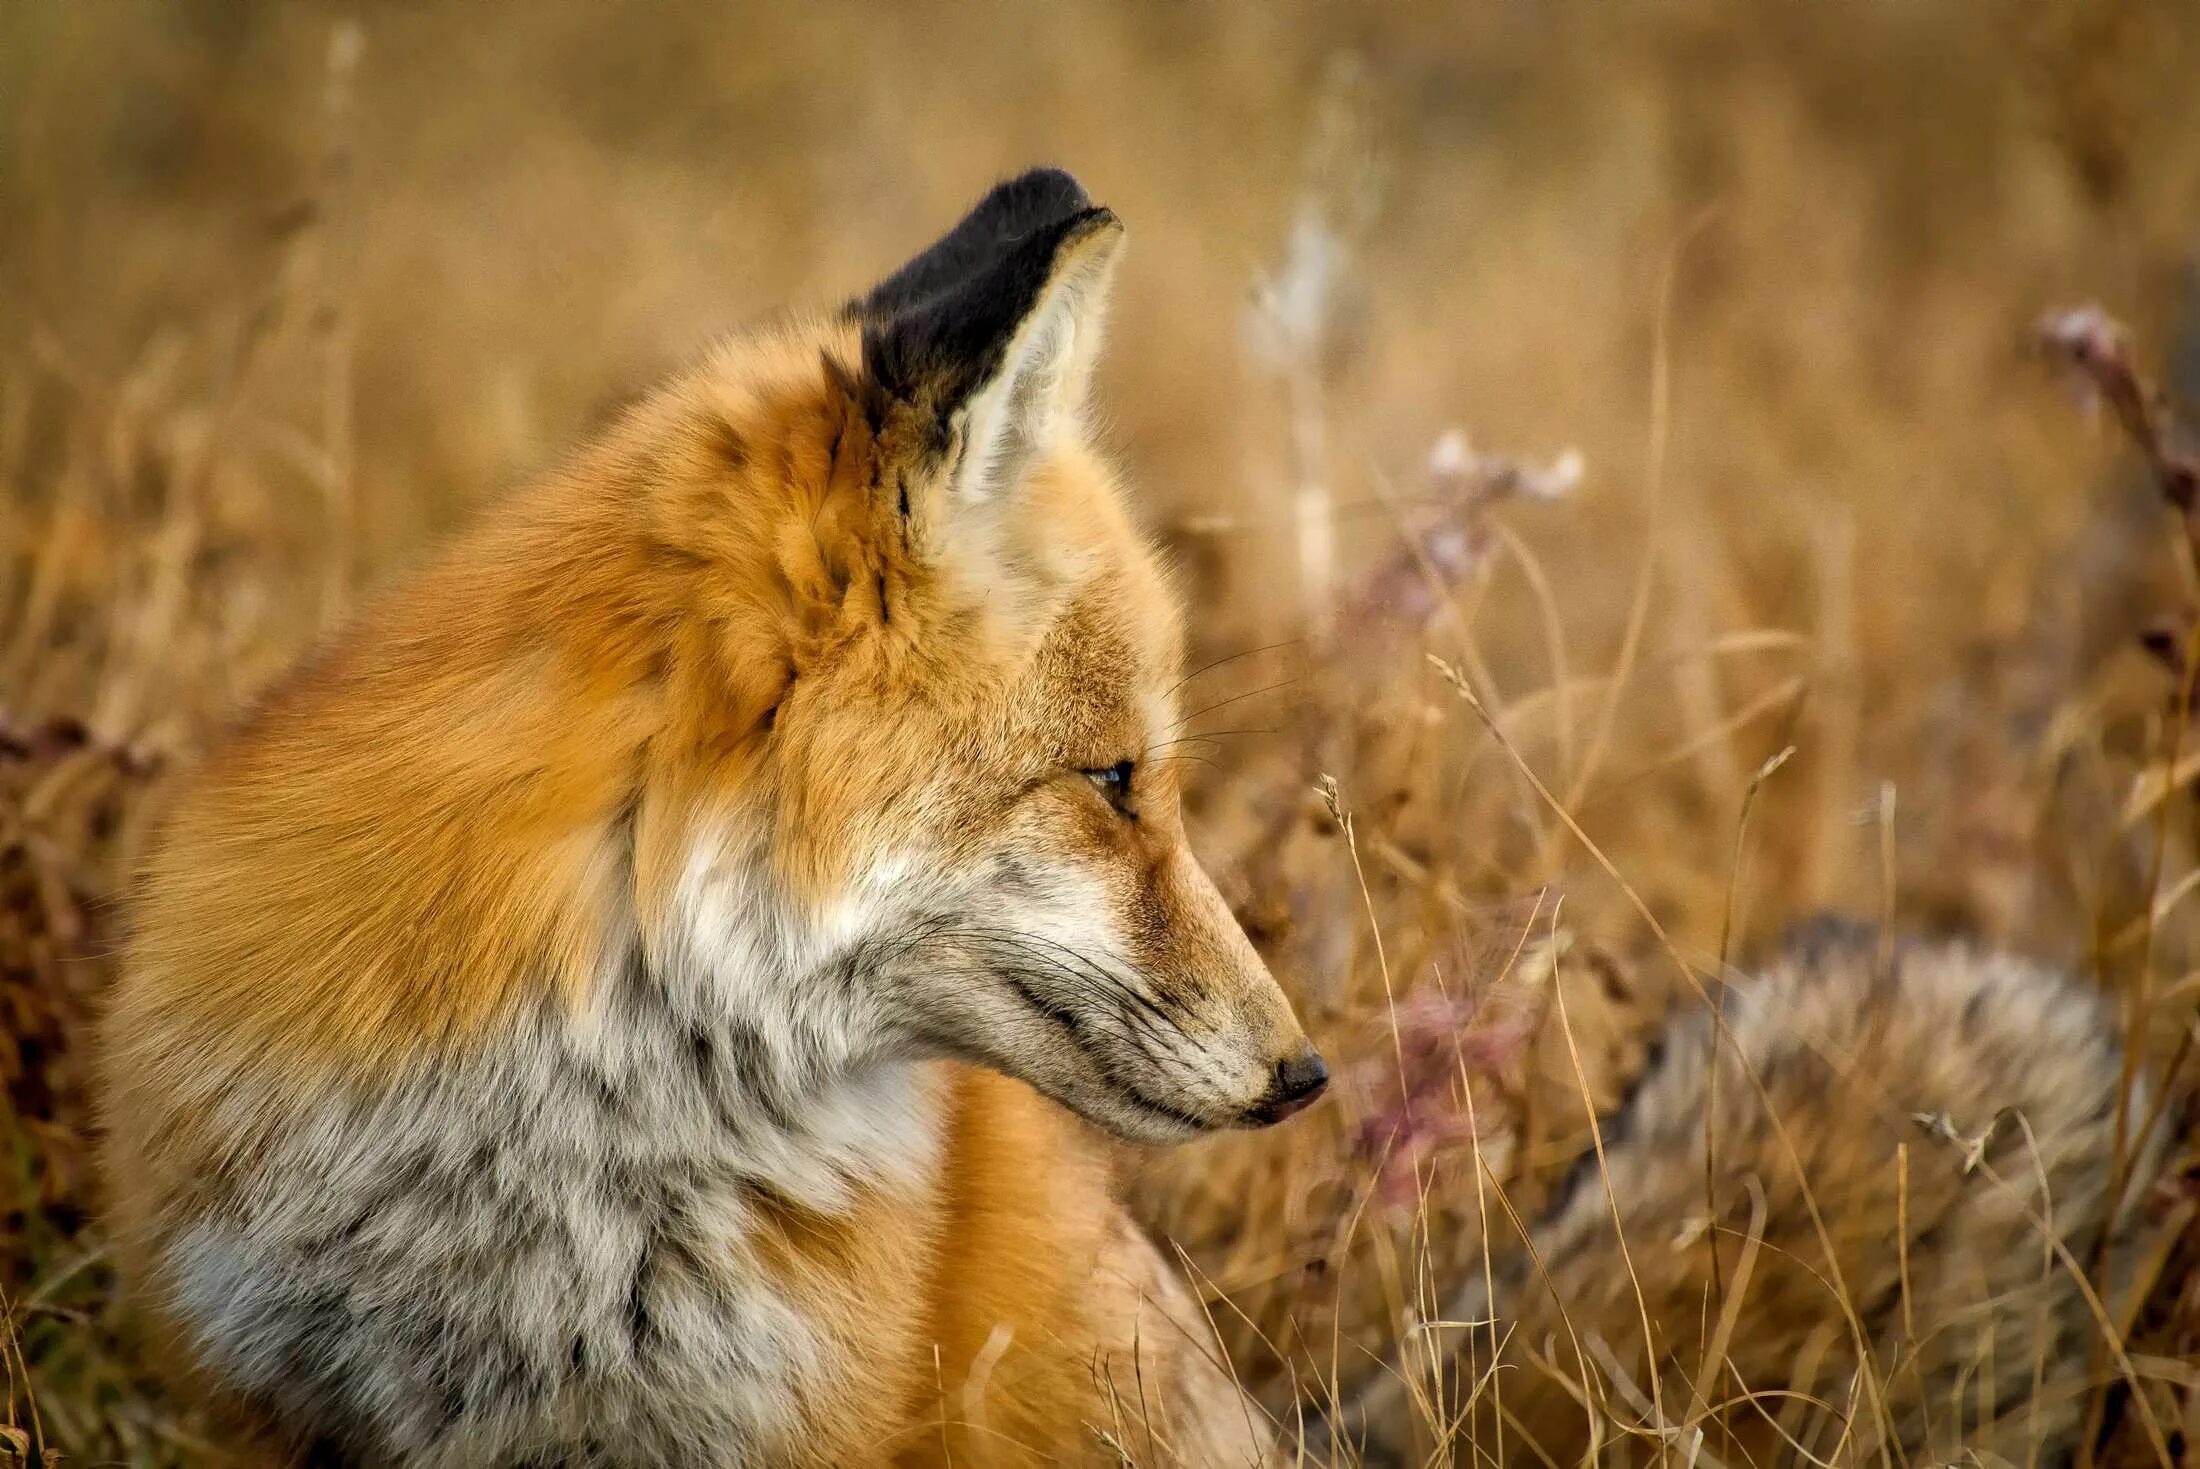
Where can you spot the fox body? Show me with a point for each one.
(1929, 1138)
(572, 1018)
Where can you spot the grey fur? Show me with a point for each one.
(1934, 1059)
(536, 1247)
(510, 1256)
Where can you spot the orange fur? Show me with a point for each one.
(756, 593)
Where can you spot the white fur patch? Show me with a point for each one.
(540, 1239)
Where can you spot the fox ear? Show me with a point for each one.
(988, 338)
(1013, 211)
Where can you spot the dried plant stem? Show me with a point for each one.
(1554, 643)
(2040, 1331)
(1661, 413)
(1489, 1269)
(1342, 815)
(1902, 1248)
(1611, 1195)
(2109, 1332)
(1465, 1083)
(1792, 1155)
(1730, 1309)
(1718, 1019)
(1887, 875)
(2138, 1009)
(1835, 719)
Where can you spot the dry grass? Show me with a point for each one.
(1848, 609)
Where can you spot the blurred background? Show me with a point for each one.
(1667, 370)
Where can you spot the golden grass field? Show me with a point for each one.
(285, 291)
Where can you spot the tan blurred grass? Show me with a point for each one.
(285, 292)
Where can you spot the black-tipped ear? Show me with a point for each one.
(1013, 211)
(996, 349)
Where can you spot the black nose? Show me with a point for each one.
(1299, 1081)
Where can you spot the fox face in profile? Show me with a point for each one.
(620, 880)
(967, 750)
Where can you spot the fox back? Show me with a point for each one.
(541, 1037)
(1853, 1215)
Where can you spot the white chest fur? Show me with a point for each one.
(538, 1246)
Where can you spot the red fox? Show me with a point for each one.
(1911, 1165)
(642, 993)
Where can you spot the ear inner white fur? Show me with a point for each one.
(1038, 393)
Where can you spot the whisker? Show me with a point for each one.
(1234, 698)
(1167, 744)
(1182, 740)
(1231, 658)
(1143, 1014)
(1219, 734)
(1115, 1024)
(1099, 978)
(1112, 983)
(1093, 981)
(1146, 1013)
(1209, 762)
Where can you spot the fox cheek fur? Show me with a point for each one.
(539, 1037)
(1121, 986)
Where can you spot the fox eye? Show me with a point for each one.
(1114, 782)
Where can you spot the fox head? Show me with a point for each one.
(831, 690)
(953, 663)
